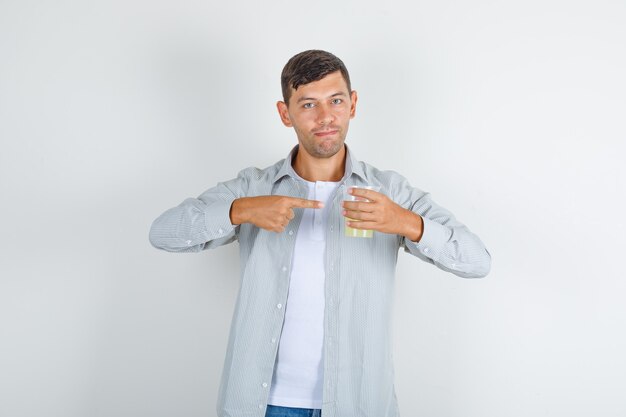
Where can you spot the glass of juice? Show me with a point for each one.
(349, 231)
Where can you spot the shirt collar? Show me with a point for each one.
(352, 166)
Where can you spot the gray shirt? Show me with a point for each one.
(359, 285)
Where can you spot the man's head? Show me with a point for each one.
(318, 101)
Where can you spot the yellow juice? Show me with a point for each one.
(351, 232)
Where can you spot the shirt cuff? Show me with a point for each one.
(434, 237)
(217, 220)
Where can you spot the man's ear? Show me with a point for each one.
(353, 99)
(283, 112)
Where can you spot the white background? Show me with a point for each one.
(510, 113)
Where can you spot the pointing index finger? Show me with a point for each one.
(303, 203)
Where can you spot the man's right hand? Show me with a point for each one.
(269, 212)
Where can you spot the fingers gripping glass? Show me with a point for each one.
(350, 231)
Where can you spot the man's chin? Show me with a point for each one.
(321, 149)
(328, 151)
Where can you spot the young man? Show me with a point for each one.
(311, 331)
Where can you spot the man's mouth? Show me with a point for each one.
(325, 133)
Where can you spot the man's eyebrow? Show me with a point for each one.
(313, 98)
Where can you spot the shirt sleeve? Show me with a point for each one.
(200, 223)
(445, 242)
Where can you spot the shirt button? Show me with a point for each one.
(261, 406)
(188, 242)
(221, 231)
(273, 340)
(279, 305)
(426, 250)
(291, 233)
(284, 269)
(265, 385)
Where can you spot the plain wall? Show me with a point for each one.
(511, 113)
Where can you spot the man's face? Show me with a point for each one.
(320, 113)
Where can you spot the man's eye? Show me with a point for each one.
(337, 101)
(308, 105)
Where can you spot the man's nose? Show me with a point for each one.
(324, 115)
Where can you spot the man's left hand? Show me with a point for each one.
(382, 214)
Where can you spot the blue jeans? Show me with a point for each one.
(277, 411)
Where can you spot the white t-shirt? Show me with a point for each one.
(299, 369)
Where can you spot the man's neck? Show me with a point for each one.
(320, 169)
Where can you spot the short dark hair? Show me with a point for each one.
(309, 66)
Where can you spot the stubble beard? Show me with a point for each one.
(325, 148)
